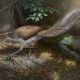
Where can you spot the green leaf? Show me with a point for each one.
(37, 9)
(45, 14)
(34, 14)
(39, 15)
(37, 19)
(67, 40)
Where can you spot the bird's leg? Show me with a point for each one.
(23, 43)
(21, 48)
(29, 52)
(14, 53)
(19, 40)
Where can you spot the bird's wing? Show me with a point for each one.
(62, 25)
(26, 31)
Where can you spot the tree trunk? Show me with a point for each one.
(10, 15)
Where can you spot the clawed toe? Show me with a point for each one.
(9, 57)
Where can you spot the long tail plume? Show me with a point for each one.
(63, 24)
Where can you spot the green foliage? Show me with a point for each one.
(68, 40)
(37, 10)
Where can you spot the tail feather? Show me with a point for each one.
(62, 25)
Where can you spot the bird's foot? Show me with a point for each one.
(29, 52)
(9, 57)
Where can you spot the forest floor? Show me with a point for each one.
(43, 63)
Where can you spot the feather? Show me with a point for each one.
(63, 24)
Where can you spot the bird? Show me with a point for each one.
(60, 27)
(26, 32)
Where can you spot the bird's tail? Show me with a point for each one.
(63, 24)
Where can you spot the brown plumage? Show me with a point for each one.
(60, 27)
(26, 32)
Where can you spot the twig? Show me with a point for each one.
(13, 2)
(16, 62)
(19, 11)
(6, 33)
